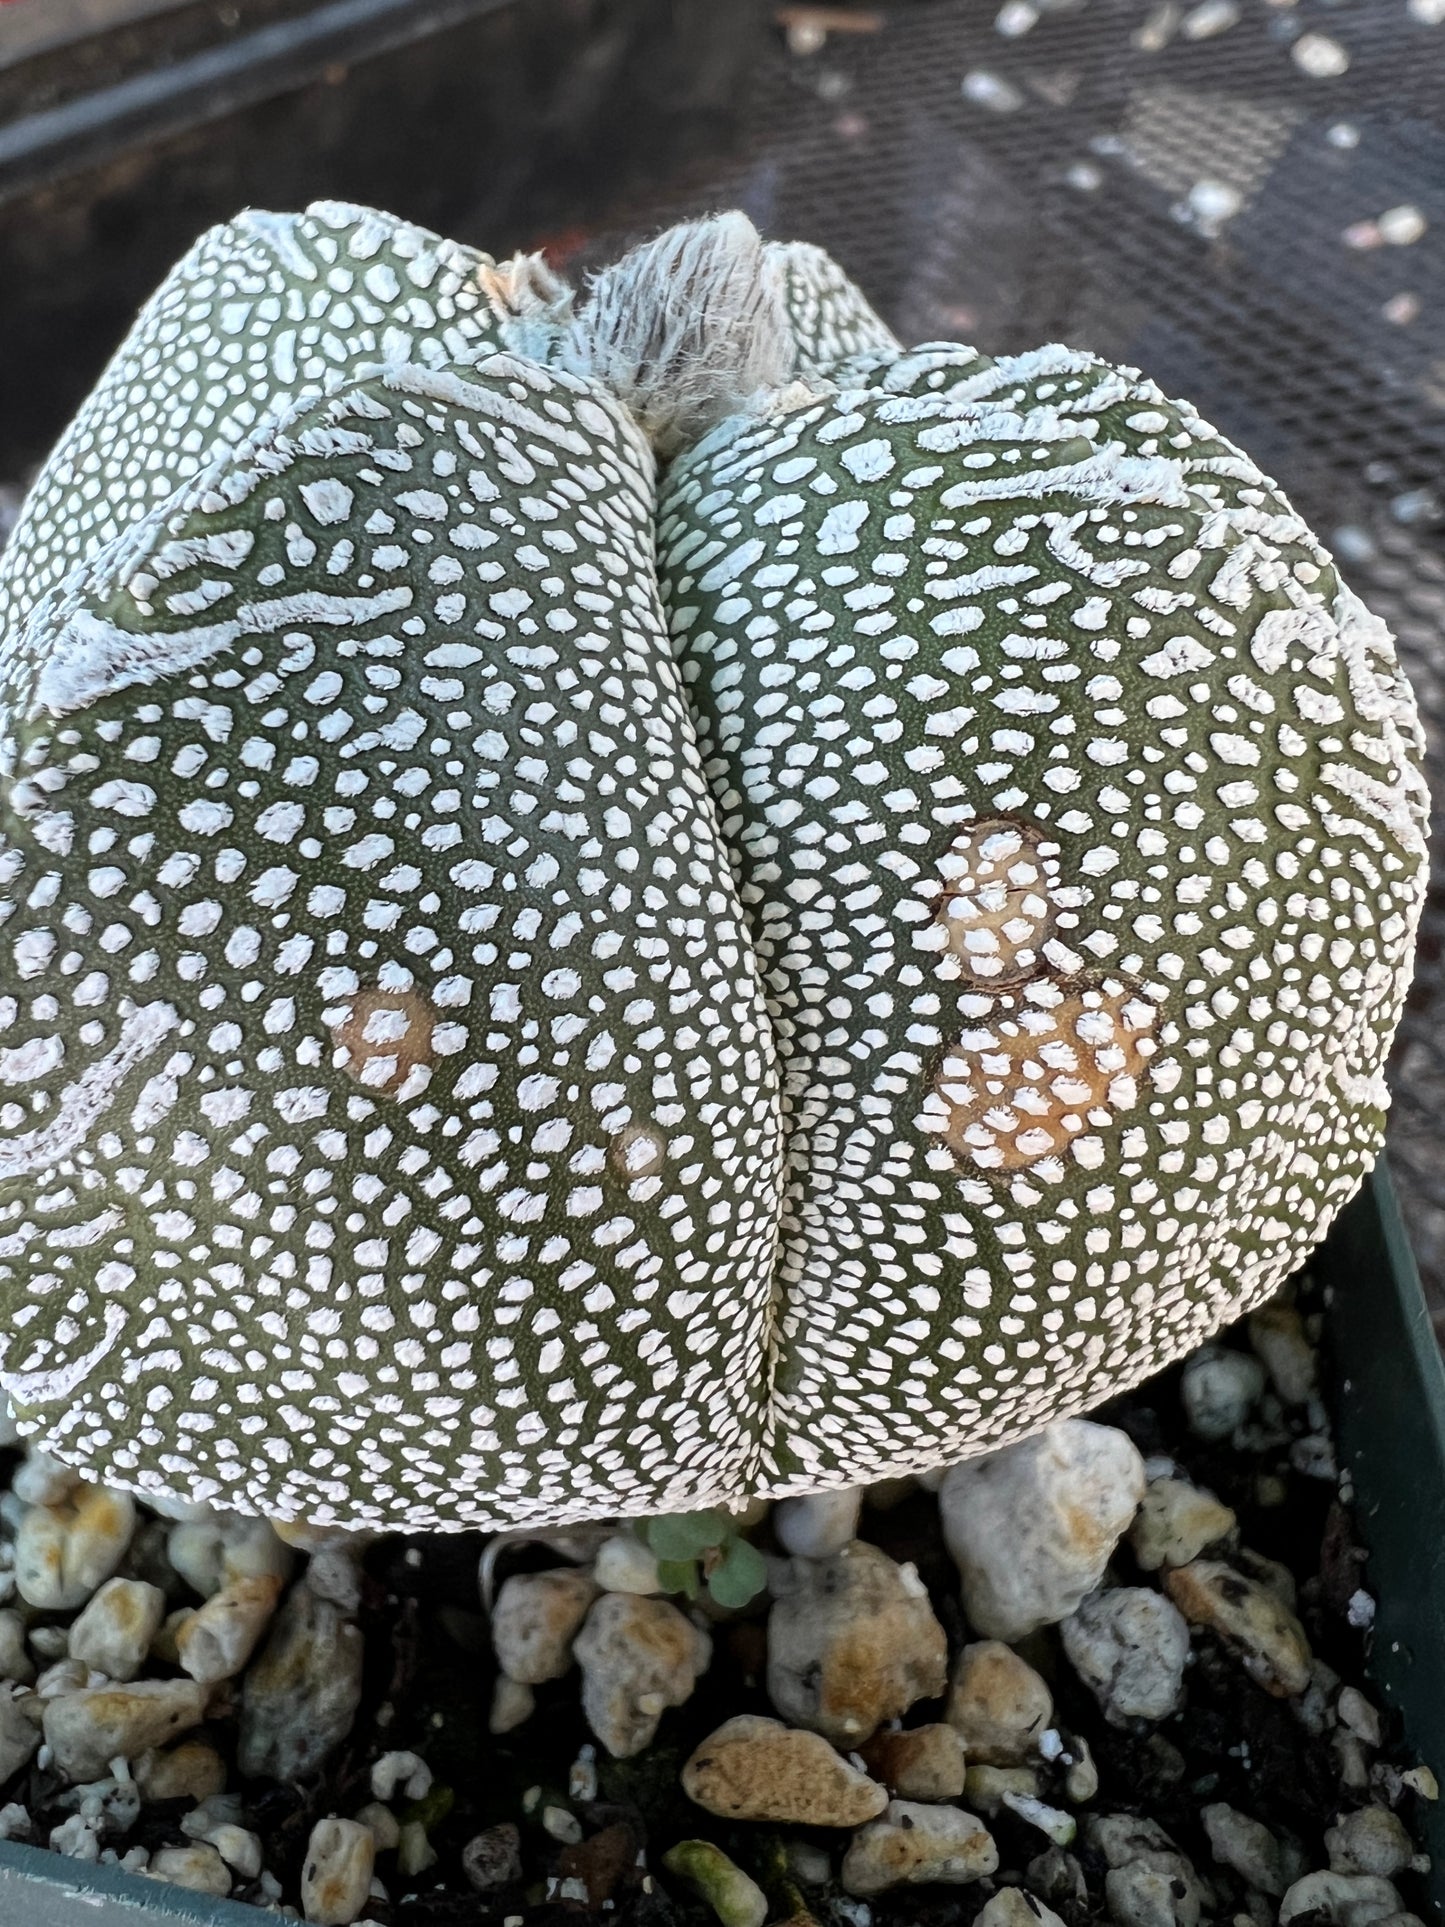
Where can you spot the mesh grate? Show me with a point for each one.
(1182, 207)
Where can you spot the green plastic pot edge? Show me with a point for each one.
(1389, 1395)
(1389, 1400)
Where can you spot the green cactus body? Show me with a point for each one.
(1080, 828)
(466, 1059)
(392, 1125)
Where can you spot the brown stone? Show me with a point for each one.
(758, 1769)
(998, 1704)
(852, 1643)
(1253, 1622)
(923, 1763)
(604, 1863)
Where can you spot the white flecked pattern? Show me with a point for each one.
(1038, 592)
(412, 961)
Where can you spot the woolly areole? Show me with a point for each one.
(536, 985)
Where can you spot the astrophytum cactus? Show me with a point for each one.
(611, 909)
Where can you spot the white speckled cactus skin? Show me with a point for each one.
(535, 988)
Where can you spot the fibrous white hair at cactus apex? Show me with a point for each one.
(610, 906)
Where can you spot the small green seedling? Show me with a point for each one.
(699, 1551)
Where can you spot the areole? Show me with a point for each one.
(606, 910)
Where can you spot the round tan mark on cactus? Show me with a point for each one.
(996, 912)
(1043, 1076)
(385, 1037)
(639, 1151)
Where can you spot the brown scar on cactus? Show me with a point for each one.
(1042, 1075)
(639, 1151)
(385, 1037)
(998, 907)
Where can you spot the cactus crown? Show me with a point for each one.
(537, 989)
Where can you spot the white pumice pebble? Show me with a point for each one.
(535, 1620)
(817, 1526)
(913, 1844)
(1130, 1647)
(1220, 1387)
(638, 1658)
(404, 1772)
(625, 1564)
(64, 1550)
(1031, 1527)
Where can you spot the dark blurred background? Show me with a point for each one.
(1245, 198)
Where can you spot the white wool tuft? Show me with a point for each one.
(687, 329)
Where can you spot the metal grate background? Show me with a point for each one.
(1171, 186)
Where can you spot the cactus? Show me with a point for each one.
(611, 905)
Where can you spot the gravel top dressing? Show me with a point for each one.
(1115, 1672)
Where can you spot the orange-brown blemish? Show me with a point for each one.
(639, 1151)
(995, 913)
(1027, 1081)
(384, 1037)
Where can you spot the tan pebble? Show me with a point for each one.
(216, 1640)
(922, 1763)
(753, 1768)
(512, 1704)
(535, 1620)
(191, 1771)
(987, 1787)
(1175, 1523)
(200, 1868)
(999, 1704)
(1250, 1620)
(86, 1730)
(915, 1844)
(336, 1874)
(852, 1643)
(114, 1632)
